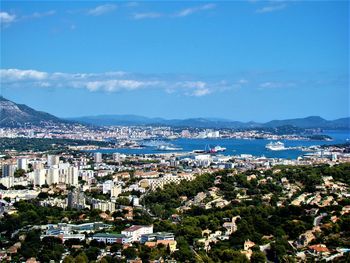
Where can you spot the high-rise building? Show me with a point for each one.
(52, 176)
(52, 160)
(38, 165)
(72, 176)
(8, 170)
(22, 163)
(107, 186)
(98, 157)
(76, 199)
(39, 177)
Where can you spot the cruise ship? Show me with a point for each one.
(275, 146)
(217, 149)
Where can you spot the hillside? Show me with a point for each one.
(13, 115)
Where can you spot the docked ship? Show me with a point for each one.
(216, 149)
(275, 146)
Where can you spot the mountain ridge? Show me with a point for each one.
(13, 114)
(307, 122)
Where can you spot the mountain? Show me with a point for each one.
(304, 123)
(311, 122)
(14, 115)
(110, 120)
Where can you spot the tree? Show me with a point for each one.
(81, 258)
(130, 253)
(19, 173)
(184, 253)
(116, 247)
(258, 257)
(92, 253)
(68, 259)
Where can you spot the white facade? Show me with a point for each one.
(39, 177)
(107, 186)
(52, 176)
(8, 170)
(7, 181)
(104, 206)
(136, 201)
(116, 190)
(98, 157)
(22, 163)
(135, 232)
(52, 160)
(72, 176)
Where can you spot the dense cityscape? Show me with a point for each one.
(71, 203)
(174, 131)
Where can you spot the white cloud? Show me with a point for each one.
(101, 10)
(192, 84)
(275, 85)
(112, 82)
(201, 92)
(6, 18)
(192, 10)
(272, 8)
(40, 14)
(117, 85)
(146, 15)
(8, 75)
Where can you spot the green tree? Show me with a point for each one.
(258, 257)
(129, 253)
(68, 259)
(81, 258)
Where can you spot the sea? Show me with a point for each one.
(255, 147)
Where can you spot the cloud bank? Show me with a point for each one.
(113, 82)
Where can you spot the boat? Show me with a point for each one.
(216, 149)
(275, 146)
(168, 148)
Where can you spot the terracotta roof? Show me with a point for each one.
(319, 248)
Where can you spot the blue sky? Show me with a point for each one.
(241, 60)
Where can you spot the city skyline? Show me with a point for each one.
(247, 60)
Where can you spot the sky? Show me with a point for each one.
(239, 60)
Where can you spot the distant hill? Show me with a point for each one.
(304, 123)
(110, 120)
(14, 115)
(311, 122)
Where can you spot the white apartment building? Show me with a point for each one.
(22, 163)
(98, 157)
(136, 231)
(52, 176)
(39, 177)
(8, 170)
(52, 160)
